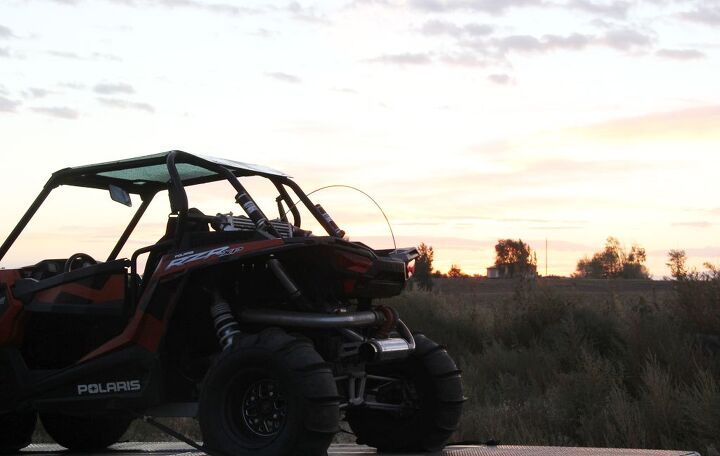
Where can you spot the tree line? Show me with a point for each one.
(515, 258)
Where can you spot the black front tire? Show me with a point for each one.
(85, 433)
(435, 408)
(269, 394)
(16, 430)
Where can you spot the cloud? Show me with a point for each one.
(616, 9)
(619, 39)
(697, 224)
(574, 41)
(680, 54)
(95, 56)
(501, 79)
(346, 90)
(60, 112)
(357, 3)
(437, 27)
(429, 5)
(556, 228)
(5, 32)
(4, 52)
(464, 59)
(529, 44)
(555, 245)
(693, 252)
(126, 104)
(707, 15)
(264, 33)
(284, 77)
(474, 219)
(407, 58)
(475, 29)
(305, 14)
(220, 8)
(34, 92)
(72, 85)
(113, 88)
(694, 123)
(559, 174)
(484, 6)
(520, 43)
(65, 55)
(578, 170)
(8, 105)
(103, 56)
(480, 47)
(626, 39)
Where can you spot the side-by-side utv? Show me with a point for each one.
(268, 334)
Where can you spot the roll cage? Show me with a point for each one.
(173, 171)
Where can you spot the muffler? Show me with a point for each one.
(388, 349)
(384, 349)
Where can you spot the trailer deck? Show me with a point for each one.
(178, 449)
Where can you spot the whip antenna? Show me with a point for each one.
(392, 234)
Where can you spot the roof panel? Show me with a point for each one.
(157, 173)
(139, 173)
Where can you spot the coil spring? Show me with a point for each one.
(225, 325)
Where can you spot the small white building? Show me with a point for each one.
(507, 271)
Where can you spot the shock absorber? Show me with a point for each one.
(225, 325)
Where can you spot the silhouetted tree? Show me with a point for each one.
(517, 256)
(614, 262)
(676, 263)
(455, 271)
(423, 267)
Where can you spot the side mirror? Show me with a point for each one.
(119, 195)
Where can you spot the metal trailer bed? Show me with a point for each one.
(178, 449)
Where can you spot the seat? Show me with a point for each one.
(193, 225)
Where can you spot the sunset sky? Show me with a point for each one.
(467, 120)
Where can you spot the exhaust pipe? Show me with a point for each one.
(312, 320)
(384, 349)
(370, 351)
(388, 349)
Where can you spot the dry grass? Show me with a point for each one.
(623, 365)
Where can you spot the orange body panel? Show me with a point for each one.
(146, 330)
(112, 290)
(10, 320)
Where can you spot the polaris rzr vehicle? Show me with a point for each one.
(265, 333)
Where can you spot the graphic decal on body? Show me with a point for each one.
(121, 386)
(189, 257)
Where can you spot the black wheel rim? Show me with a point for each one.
(402, 392)
(263, 408)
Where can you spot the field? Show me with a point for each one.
(581, 362)
(573, 362)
